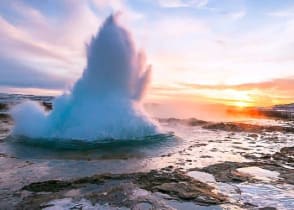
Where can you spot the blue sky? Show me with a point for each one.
(208, 43)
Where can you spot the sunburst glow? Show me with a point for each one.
(241, 104)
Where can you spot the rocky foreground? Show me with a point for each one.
(212, 165)
(156, 189)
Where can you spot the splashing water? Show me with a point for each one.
(104, 103)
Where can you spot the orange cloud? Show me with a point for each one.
(281, 84)
(265, 93)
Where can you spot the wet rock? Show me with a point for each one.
(267, 208)
(287, 175)
(286, 154)
(253, 135)
(282, 112)
(3, 155)
(4, 116)
(47, 186)
(4, 107)
(48, 105)
(113, 194)
(35, 202)
(205, 156)
(168, 168)
(195, 122)
(227, 171)
(199, 145)
(244, 127)
(241, 148)
(257, 157)
(229, 127)
(167, 155)
(189, 122)
(143, 206)
(110, 192)
(179, 185)
(184, 191)
(117, 189)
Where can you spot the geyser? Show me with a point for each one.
(104, 103)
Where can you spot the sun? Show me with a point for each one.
(241, 104)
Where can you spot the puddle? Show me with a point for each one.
(68, 203)
(266, 195)
(191, 206)
(259, 173)
(202, 176)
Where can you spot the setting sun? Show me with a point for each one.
(241, 104)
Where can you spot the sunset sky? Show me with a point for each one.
(233, 52)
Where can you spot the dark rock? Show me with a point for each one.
(48, 105)
(195, 122)
(253, 135)
(117, 190)
(267, 208)
(181, 186)
(143, 206)
(4, 116)
(48, 186)
(244, 127)
(205, 156)
(285, 155)
(190, 121)
(4, 107)
(174, 183)
(227, 171)
(288, 151)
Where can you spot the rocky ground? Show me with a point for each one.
(221, 166)
(157, 189)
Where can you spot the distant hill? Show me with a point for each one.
(285, 107)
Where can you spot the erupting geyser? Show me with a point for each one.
(104, 103)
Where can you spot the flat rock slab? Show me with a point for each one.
(121, 190)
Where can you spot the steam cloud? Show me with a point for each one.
(104, 103)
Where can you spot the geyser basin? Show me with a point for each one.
(105, 103)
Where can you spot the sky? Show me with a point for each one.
(232, 52)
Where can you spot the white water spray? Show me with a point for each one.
(104, 103)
